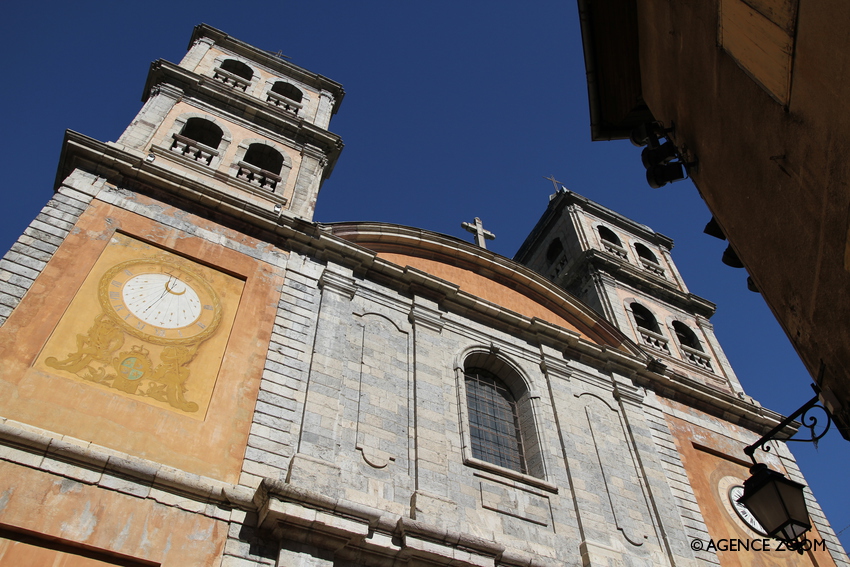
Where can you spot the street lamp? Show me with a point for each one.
(778, 503)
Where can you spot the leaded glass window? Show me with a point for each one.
(493, 421)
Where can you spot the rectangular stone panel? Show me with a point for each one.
(516, 502)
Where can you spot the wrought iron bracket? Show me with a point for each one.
(807, 421)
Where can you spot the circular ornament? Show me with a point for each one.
(160, 301)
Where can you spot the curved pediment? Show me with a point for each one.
(486, 275)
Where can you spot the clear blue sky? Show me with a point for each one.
(453, 110)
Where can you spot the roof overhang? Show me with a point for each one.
(609, 34)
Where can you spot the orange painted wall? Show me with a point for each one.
(211, 447)
(482, 287)
(713, 462)
(104, 520)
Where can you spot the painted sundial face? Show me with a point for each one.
(160, 301)
(735, 493)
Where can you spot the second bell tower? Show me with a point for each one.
(624, 270)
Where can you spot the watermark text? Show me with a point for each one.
(753, 545)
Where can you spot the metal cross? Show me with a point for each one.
(477, 228)
(555, 182)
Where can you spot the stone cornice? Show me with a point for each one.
(345, 528)
(94, 464)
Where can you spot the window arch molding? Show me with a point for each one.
(237, 80)
(645, 252)
(282, 101)
(179, 125)
(522, 391)
(691, 343)
(286, 168)
(646, 326)
(609, 241)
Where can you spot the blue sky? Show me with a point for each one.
(452, 110)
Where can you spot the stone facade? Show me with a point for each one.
(338, 431)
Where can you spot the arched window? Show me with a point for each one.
(608, 235)
(237, 68)
(286, 95)
(553, 252)
(645, 253)
(234, 73)
(692, 350)
(500, 425)
(494, 424)
(644, 318)
(198, 140)
(261, 166)
(686, 336)
(288, 90)
(264, 157)
(648, 330)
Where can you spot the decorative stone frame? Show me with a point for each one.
(527, 399)
(299, 107)
(699, 358)
(177, 127)
(607, 246)
(645, 337)
(216, 69)
(239, 155)
(655, 268)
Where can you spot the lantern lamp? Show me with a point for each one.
(777, 503)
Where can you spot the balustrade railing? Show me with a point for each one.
(654, 340)
(616, 250)
(284, 102)
(650, 266)
(256, 176)
(193, 149)
(697, 358)
(230, 79)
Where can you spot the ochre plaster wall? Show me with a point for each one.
(482, 287)
(775, 176)
(714, 463)
(54, 401)
(105, 521)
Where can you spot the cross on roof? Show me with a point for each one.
(477, 228)
(555, 182)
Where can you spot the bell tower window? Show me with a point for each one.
(648, 260)
(611, 242)
(198, 140)
(648, 329)
(286, 96)
(692, 351)
(234, 74)
(554, 251)
(261, 166)
(645, 253)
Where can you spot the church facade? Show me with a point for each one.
(194, 372)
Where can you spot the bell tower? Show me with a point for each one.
(245, 122)
(624, 270)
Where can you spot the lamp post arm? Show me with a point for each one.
(751, 449)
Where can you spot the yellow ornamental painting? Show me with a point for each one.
(149, 324)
